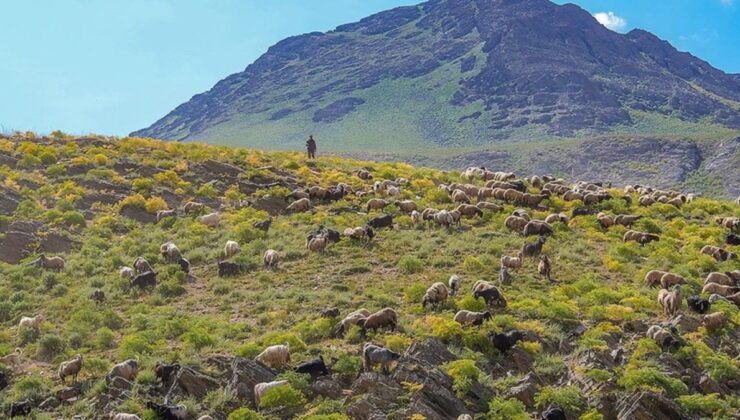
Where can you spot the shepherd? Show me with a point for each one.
(311, 147)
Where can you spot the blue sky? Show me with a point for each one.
(115, 66)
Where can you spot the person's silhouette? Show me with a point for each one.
(311, 147)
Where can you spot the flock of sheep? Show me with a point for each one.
(470, 202)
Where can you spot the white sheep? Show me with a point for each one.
(436, 293)
(261, 388)
(30, 322)
(277, 356)
(454, 283)
(211, 219)
(317, 243)
(513, 263)
(127, 273)
(126, 416)
(231, 248)
(416, 218)
(271, 258)
(127, 370)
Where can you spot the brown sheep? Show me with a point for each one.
(671, 301)
(641, 238)
(464, 317)
(652, 278)
(719, 278)
(484, 205)
(490, 294)
(676, 202)
(317, 243)
(515, 223)
(350, 320)
(605, 221)
(572, 196)
(714, 321)
(544, 267)
(521, 213)
(646, 200)
(385, 317)
(317, 192)
(469, 210)
(141, 265)
(406, 206)
(670, 279)
(376, 204)
(626, 220)
(557, 217)
(719, 289)
(70, 368)
(300, 205)
(718, 253)
(436, 294)
(459, 196)
(513, 263)
(513, 196)
(50, 263)
(537, 227)
(193, 207)
(734, 298)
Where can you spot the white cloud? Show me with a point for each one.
(612, 21)
(726, 2)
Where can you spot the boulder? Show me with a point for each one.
(526, 389)
(247, 373)
(708, 385)
(192, 383)
(645, 405)
(68, 393)
(327, 387)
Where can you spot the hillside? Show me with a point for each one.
(583, 348)
(455, 74)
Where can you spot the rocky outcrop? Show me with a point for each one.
(247, 373)
(23, 237)
(191, 383)
(645, 405)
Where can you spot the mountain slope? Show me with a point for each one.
(457, 73)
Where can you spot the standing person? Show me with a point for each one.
(311, 147)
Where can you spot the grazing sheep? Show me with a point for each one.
(126, 416)
(317, 192)
(456, 215)
(261, 389)
(330, 313)
(544, 267)
(469, 210)
(362, 174)
(459, 196)
(127, 273)
(376, 204)
(646, 200)
(317, 243)
(97, 296)
(229, 269)
(503, 276)
(360, 233)
(315, 368)
(30, 322)
(533, 250)
(718, 253)
(381, 221)
(350, 320)
(20, 408)
(184, 265)
(70, 368)
(490, 294)
(50, 263)
(652, 278)
(464, 317)
(142, 266)
(697, 304)
(627, 220)
(231, 248)
(641, 238)
(436, 294)
(297, 195)
(271, 258)
(373, 355)
(515, 223)
(193, 207)
(416, 218)
(663, 337)
(670, 301)
(605, 221)
(521, 213)
(300, 205)
(557, 217)
(168, 412)
(127, 370)
(714, 288)
(503, 342)
(145, 280)
(163, 214)
(582, 211)
(484, 205)
(275, 357)
(670, 279)
(170, 252)
(714, 321)
(734, 275)
(211, 219)
(572, 196)
(164, 371)
(734, 298)
(12, 359)
(537, 227)
(444, 218)
(732, 239)
(263, 225)
(428, 213)
(512, 263)
(454, 284)
(385, 317)
(393, 191)
(406, 206)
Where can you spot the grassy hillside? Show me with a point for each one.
(100, 196)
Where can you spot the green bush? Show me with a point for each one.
(408, 264)
(198, 339)
(509, 409)
(464, 373)
(706, 405)
(50, 346)
(651, 379)
(568, 398)
(348, 365)
(33, 387)
(245, 414)
(283, 396)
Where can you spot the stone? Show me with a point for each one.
(192, 383)
(327, 387)
(526, 389)
(247, 373)
(645, 405)
(68, 393)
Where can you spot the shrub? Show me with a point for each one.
(283, 396)
(155, 204)
(73, 218)
(651, 379)
(136, 201)
(408, 264)
(509, 408)
(50, 346)
(348, 365)
(464, 373)
(133, 346)
(198, 339)
(104, 338)
(469, 303)
(32, 387)
(142, 185)
(702, 404)
(568, 397)
(245, 414)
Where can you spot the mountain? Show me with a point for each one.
(455, 76)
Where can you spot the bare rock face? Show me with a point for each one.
(192, 383)
(140, 215)
(247, 373)
(644, 405)
(22, 236)
(526, 389)
(327, 387)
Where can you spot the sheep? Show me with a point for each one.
(142, 266)
(229, 269)
(697, 304)
(459, 196)
(70, 368)
(557, 217)
(428, 213)
(734, 298)
(373, 355)
(145, 280)
(271, 258)
(317, 243)
(126, 416)
(296, 195)
(406, 206)
(646, 201)
(456, 215)
(582, 211)
(314, 368)
(330, 313)
(732, 239)
(444, 218)
(351, 319)
(261, 389)
(436, 294)
(360, 233)
(718, 253)
(572, 196)
(193, 207)
(554, 413)
(714, 288)
(12, 359)
(376, 204)
(30, 322)
(50, 263)
(626, 220)
(544, 267)
(300, 205)
(652, 278)
(714, 321)
(533, 250)
(641, 238)
(211, 219)
(263, 225)
(663, 337)
(515, 223)
(537, 227)
(126, 273)
(464, 317)
(317, 192)
(676, 202)
(393, 191)
(168, 412)
(454, 284)
(381, 221)
(164, 371)
(163, 214)
(503, 342)
(512, 263)
(469, 210)
(331, 235)
(605, 221)
(275, 357)
(416, 218)
(97, 296)
(670, 279)
(231, 248)
(484, 205)
(385, 317)
(490, 294)
(170, 252)
(503, 276)
(127, 370)
(362, 174)
(670, 301)
(20, 408)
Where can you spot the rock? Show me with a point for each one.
(192, 383)
(431, 351)
(9, 200)
(141, 216)
(605, 403)
(635, 326)
(247, 373)
(272, 205)
(68, 393)
(521, 358)
(49, 403)
(3, 380)
(378, 392)
(23, 235)
(119, 388)
(617, 355)
(526, 389)
(645, 405)
(14, 246)
(708, 385)
(327, 387)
